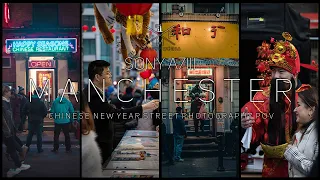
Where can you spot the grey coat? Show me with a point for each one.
(302, 155)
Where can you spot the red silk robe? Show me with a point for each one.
(272, 167)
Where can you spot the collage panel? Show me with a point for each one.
(279, 95)
(200, 89)
(40, 84)
(120, 90)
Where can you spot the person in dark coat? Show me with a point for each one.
(24, 100)
(179, 133)
(165, 141)
(195, 107)
(10, 139)
(36, 111)
(103, 112)
(15, 101)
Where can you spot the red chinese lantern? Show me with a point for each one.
(93, 28)
(85, 28)
(146, 74)
(112, 30)
(149, 53)
(134, 12)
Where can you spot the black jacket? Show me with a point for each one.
(104, 113)
(35, 110)
(8, 128)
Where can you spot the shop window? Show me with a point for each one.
(208, 7)
(88, 20)
(45, 15)
(87, 5)
(106, 49)
(89, 46)
(6, 62)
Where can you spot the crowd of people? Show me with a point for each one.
(17, 109)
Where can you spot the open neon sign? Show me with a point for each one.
(41, 45)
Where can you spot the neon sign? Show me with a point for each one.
(200, 72)
(41, 45)
(6, 13)
(42, 64)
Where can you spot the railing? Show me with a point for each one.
(200, 17)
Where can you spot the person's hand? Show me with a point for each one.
(152, 105)
(157, 128)
(247, 120)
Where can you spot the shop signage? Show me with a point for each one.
(42, 64)
(41, 45)
(200, 40)
(199, 72)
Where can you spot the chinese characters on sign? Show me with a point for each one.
(199, 72)
(176, 31)
(214, 30)
(186, 31)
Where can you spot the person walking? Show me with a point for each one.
(12, 142)
(62, 112)
(36, 111)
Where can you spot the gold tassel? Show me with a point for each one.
(140, 24)
(129, 25)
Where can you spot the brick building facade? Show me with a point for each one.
(36, 21)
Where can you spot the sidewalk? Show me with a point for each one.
(47, 138)
(199, 167)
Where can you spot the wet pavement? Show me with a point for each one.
(199, 167)
(47, 163)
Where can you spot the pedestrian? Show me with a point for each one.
(24, 100)
(62, 113)
(179, 133)
(91, 154)
(303, 151)
(164, 140)
(12, 142)
(99, 72)
(195, 107)
(15, 101)
(36, 111)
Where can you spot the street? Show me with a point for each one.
(48, 164)
(199, 167)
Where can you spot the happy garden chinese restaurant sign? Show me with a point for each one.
(41, 45)
(200, 40)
